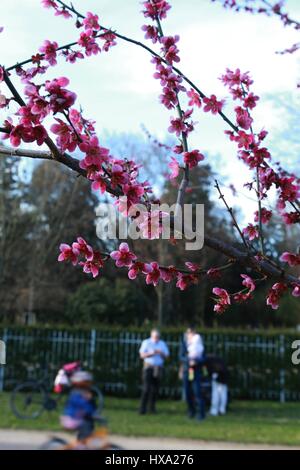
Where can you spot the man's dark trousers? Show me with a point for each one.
(193, 393)
(151, 380)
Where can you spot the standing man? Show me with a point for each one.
(192, 358)
(153, 351)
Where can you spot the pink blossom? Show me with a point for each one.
(151, 223)
(80, 247)
(213, 105)
(92, 165)
(64, 13)
(250, 101)
(118, 176)
(290, 258)
(93, 266)
(151, 32)
(248, 282)
(185, 280)
(90, 146)
(123, 256)
(60, 98)
(154, 273)
(177, 126)
(1, 74)
(251, 231)
(174, 166)
(192, 158)
(195, 99)
(67, 254)
(170, 49)
(266, 215)
(133, 192)
(169, 98)
(91, 21)
(137, 268)
(243, 118)
(235, 79)
(109, 39)
(72, 56)
(223, 300)
(243, 139)
(291, 217)
(168, 274)
(67, 139)
(275, 293)
(48, 49)
(156, 9)
(99, 183)
(27, 134)
(192, 266)
(87, 41)
(49, 4)
(289, 189)
(296, 290)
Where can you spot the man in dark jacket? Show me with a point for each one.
(191, 358)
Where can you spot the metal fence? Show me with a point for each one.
(260, 365)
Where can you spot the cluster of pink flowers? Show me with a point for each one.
(291, 258)
(212, 104)
(82, 254)
(171, 83)
(252, 151)
(153, 272)
(275, 294)
(251, 231)
(56, 99)
(223, 300)
(49, 51)
(156, 9)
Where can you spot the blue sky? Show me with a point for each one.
(117, 89)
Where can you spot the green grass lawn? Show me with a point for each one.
(252, 422)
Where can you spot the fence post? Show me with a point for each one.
(92, 347)
(4, 339)
(282, 370)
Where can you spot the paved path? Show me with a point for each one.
(17, 440)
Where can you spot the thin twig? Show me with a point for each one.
(230, 210)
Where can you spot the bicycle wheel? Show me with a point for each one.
(27, 400)
(55, 443)
(99, 398)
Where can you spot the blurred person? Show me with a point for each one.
(153, 352)
(218, 373)
(80, 409)
(192, 357)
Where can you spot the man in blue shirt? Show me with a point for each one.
(153, 351)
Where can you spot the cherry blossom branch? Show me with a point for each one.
(48, 141)
(143, 46)
(261, 235)
(262, 265)
(185, 179)
(60, 48)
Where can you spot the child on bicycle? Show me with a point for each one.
(80, 409)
